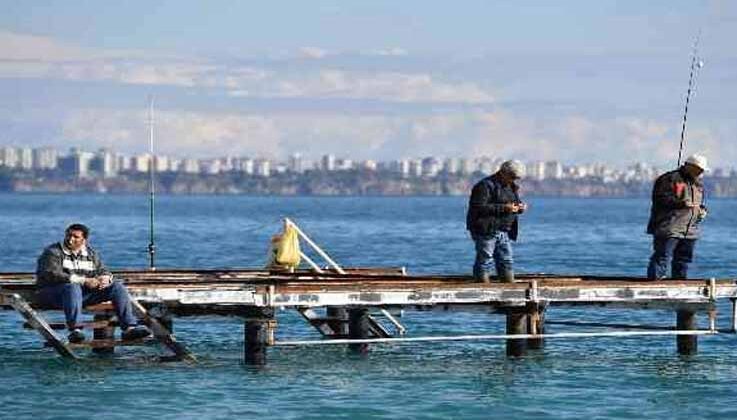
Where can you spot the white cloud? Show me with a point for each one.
(312, 52)
(23, 47)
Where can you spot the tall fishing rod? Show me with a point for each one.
(151, 162)
(696, 64)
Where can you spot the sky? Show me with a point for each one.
(572, 80)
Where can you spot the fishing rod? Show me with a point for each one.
(696, 64)
(151, 244)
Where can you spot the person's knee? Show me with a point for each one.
(117, 288)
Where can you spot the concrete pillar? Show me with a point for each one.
(358, 327)
(687, 344)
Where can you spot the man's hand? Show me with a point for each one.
(104, 281)
(703, 212)
(515, 208)
(99, 283)
(92, 283)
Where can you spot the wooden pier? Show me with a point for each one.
(355, 307)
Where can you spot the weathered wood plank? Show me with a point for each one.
(39, 324)
(162, 334)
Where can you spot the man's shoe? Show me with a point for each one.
(134, 333)
(483, 278)
(76, 336)
(506, 276)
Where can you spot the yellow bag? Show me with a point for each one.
(287, 250)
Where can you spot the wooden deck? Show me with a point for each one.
(254, 294)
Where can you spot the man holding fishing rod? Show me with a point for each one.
(675, 217)
(70, 275)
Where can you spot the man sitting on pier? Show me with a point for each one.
(676, 213)
(70, 275)
(493, 210)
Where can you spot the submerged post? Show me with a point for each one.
(516, 324)
(687, 344)
(259, 334)
(535, 324)
(358, 327)
(338, 320)
(106, 332)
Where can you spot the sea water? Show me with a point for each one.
(570, 378)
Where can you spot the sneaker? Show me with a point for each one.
(76, 336)
(134, 333)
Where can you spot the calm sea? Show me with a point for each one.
(599, 378)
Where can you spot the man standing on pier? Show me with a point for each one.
(493, 209)
(70, 275)
(676, 213)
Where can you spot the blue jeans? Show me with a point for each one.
(72, 297)
(676, 251)
(492, 250)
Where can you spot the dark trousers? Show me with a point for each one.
(492, 251)
(72, 297)
(676, 251)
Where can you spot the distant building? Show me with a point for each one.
(161, 164)
(451, 166)
(104, 163)
(431, 166)
(190, 166)
(344, 164)
(553, 170)
(327, 163)
(8, 157)
(536, 170)
(369, 165)
(25, 158)
(140, 163)
(415, 168)
(125, 163)
(296, 163)
(210, 166)
(45, 158)
(465, 166)
(246, 166)
(76, 163)
(262, 167)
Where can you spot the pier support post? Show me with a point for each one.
(162, 314)
(535, 324)
(259, 334)
(103, 333)
(687, 344)
(338, 320)
(516, 324)
(358, 327)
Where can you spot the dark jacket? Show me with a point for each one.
(669, 215)
(486, 213)
(57, 265)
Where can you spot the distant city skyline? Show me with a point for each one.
(573, 81)
(106, 163)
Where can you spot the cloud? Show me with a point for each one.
(388, 52)
(22, 47)
(29, 56)
(312, 52)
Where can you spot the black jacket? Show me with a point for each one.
(669, 215)
(57, 265)
(486, 213)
